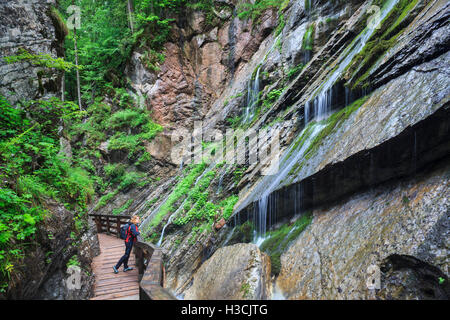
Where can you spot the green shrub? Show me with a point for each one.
(105, 199)
(180, 190)
(127, 119)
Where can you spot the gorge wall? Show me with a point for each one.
(362, 113)
(371, 175)
(41, 274)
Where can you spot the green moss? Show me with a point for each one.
(308, 38)
(245, 289)
(243, 233)
(278, 240)
(295, 70)
(58, 22)
(105, 199)
(123, 208)
(180, 190)
(307, 5)
(381, 41)
(332, 123)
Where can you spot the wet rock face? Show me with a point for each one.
(26, 24)
(244, 276)
(331, 257)
(407, 278)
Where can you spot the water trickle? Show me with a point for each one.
(219, 186)
(277, 294)
(164, 229)
(252, 96)
(266, 210)
(319, 107)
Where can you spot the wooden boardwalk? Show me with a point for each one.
(108, 285)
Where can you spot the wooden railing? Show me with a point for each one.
(109, 224)
(148, 259)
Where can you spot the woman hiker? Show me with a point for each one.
(132, 233)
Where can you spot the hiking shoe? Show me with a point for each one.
(115, 269)
(127, 269)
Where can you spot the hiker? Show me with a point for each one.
(131, 237)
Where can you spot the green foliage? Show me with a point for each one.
(295, 70)
(124, 207)
(31, 171)
(180, 190)
(132, 143)
(41, 60)
(105, 199)
(271, 97)
(130, 179)
(73, 261)
(255, 10)
(234, 122)
(238, 173)
(127, 119)
(143, 158)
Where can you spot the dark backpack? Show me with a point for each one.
(124, 231)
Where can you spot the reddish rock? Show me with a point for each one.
(219, 225)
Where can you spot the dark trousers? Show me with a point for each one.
(126, 256)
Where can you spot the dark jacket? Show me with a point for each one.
(132, 233)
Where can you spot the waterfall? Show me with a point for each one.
(254, 86)
(173, 215)
(267, 202)
(319, 106)
(252, 96)
(164, 229)
(222, 176)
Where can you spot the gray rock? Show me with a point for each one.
(236, 272)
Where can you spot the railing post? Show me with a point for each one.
(118, 226)
(107, 225)
(98, 223)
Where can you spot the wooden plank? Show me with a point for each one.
(115, 289)
(122, 294)
(109, 285)
(107, 282)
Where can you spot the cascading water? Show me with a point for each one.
(253, 86)
(252, 96)
(164, 229)
(268, 200)
(173, 215)
(222, 176)
(319, 106)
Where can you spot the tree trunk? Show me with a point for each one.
(63, 82)
(76, 64)
(130, 15)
